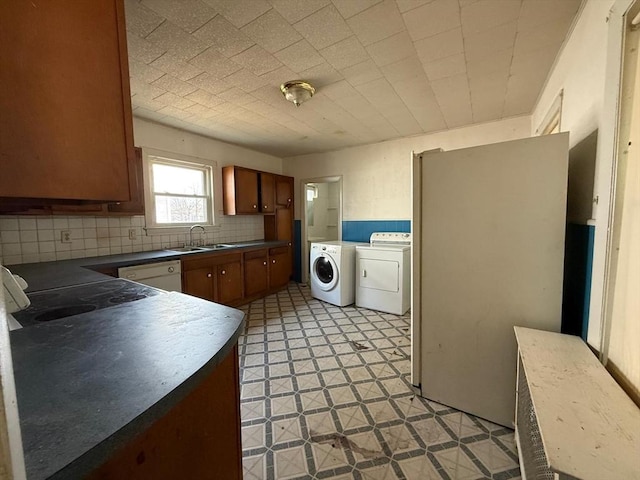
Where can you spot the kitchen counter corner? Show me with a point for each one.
(88, 386)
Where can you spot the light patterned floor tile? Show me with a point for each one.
(252, 410)
(381, 411)
(431, 432)
(284, 405)
(492, 456)
(251, 390)
(287, 430)
(308, 381)
(399, 439)
(290, 463)
(352, 417)
(255, 467)
(461, 424)
(341, 395)
(253, 436)
(365, 446)
(457, 465)
(369, 391)
(320, 423)
(419, 468)
(381, 472)
(335, 377)
(328, 455)
(313, 400)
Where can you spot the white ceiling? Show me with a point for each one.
(382, 69)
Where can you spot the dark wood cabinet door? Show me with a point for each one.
(66, 129)
(240, 190)
(136, 187)
(256, 272)
(279, 266)
(284, 191)
(229, 279)
(199, 282)
(284, 224)
(267, 192)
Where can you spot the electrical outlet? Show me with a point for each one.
(132, 234)
(65, 236)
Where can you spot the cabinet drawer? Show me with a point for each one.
(255, 254)
(278, 250)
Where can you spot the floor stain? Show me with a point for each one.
(337, 440)
(358, 346)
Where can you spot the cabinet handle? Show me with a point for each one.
(208, 275)
(171, 269)
(266, 206)
(255, 206)
(289, 244)
(265, 264)
(223, 272)
(273, 261)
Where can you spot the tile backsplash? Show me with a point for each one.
(29, 239)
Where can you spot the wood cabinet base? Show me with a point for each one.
(198, 438)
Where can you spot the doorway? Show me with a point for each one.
(321, 215)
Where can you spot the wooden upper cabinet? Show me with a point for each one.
(267, 192)
(66, 126)
(284, 190)
(240, 190)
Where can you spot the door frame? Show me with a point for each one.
(606, 166)
(304, 245)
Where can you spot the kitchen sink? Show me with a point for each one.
(203, 248)
(217, 246)
(186, 249)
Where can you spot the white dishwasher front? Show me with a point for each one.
(164, 275)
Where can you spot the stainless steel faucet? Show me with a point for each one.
(191, 244)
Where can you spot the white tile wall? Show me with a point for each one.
(30, 239)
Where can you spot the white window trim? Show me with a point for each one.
(551, 122)
(152, 228)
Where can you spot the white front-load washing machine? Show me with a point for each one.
(332, 276)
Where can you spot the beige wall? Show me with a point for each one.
(581, 73)
(377, 177)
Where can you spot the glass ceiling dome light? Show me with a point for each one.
(297, 91)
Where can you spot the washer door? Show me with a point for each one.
(325, 272)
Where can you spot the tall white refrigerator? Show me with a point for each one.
(488, 229)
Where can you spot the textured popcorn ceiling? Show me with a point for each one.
(382, 69)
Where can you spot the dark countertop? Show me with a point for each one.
(90, 383)
(64, 273)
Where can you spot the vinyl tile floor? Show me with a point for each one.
(326, 393)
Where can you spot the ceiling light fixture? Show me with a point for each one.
(297, 91)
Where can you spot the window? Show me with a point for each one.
(179, 190)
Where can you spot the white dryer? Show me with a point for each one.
(383, 266)
(333, 271)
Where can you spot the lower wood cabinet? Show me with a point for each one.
(256, 272)
(214, 277)
(237, 278)
(198, 438)
(279, 266)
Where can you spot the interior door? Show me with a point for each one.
(489, 255)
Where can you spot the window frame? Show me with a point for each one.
(152, 157)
